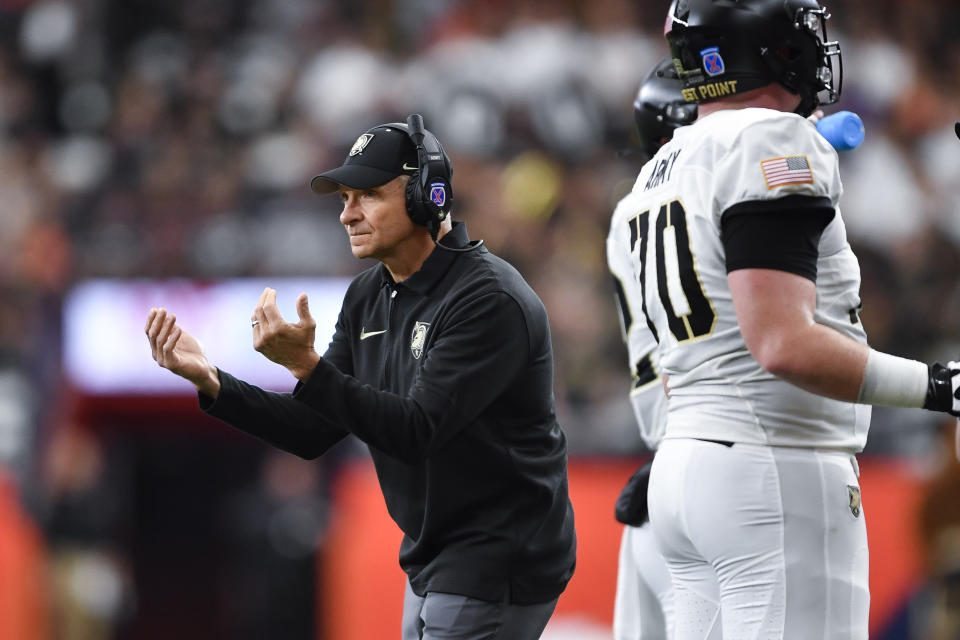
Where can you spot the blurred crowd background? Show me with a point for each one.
(152, 139)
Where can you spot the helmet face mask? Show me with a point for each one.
(830, 79)
(728, 47)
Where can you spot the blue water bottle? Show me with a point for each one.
(843, 130)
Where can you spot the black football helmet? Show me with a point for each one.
(659, 108)
(728, 47)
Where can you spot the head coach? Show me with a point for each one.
(441, 362)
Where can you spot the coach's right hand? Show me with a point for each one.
(176, 350)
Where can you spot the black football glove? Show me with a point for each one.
(942, 388)
(631, 506)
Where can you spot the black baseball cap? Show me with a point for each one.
(378, 156)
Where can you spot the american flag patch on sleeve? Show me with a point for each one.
(779, 172)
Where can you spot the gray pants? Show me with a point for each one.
(447, 616)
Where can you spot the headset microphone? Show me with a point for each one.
(415, 130)
(429, 191)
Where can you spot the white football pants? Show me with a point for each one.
(644, 601)
(765, 543)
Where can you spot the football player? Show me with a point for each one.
(751, 291)
(644, 597)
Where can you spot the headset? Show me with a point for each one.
(429, 191)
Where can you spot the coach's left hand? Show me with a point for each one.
(287, 344)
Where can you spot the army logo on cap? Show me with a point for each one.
(712, 62)
(417, 338)
(361, 144)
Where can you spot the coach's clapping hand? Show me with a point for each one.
(176, 350)
(287, 344)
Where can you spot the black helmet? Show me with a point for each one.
(727, 47)
(659, 108)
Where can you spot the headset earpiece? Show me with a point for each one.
(429, 192)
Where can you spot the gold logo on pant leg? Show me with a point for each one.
(854, 493)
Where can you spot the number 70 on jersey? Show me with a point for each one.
(690, 314)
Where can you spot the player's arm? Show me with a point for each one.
(771, 265)
(775, 310)
(771, 246)
(771, 249)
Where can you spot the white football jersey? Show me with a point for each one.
(672, 222)
(647, 398)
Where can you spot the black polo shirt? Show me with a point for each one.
(448, 377)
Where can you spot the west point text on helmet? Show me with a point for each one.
(711, 90)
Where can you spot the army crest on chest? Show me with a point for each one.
(418, 338)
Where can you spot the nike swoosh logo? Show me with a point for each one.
(364, 334)
(409, 168)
